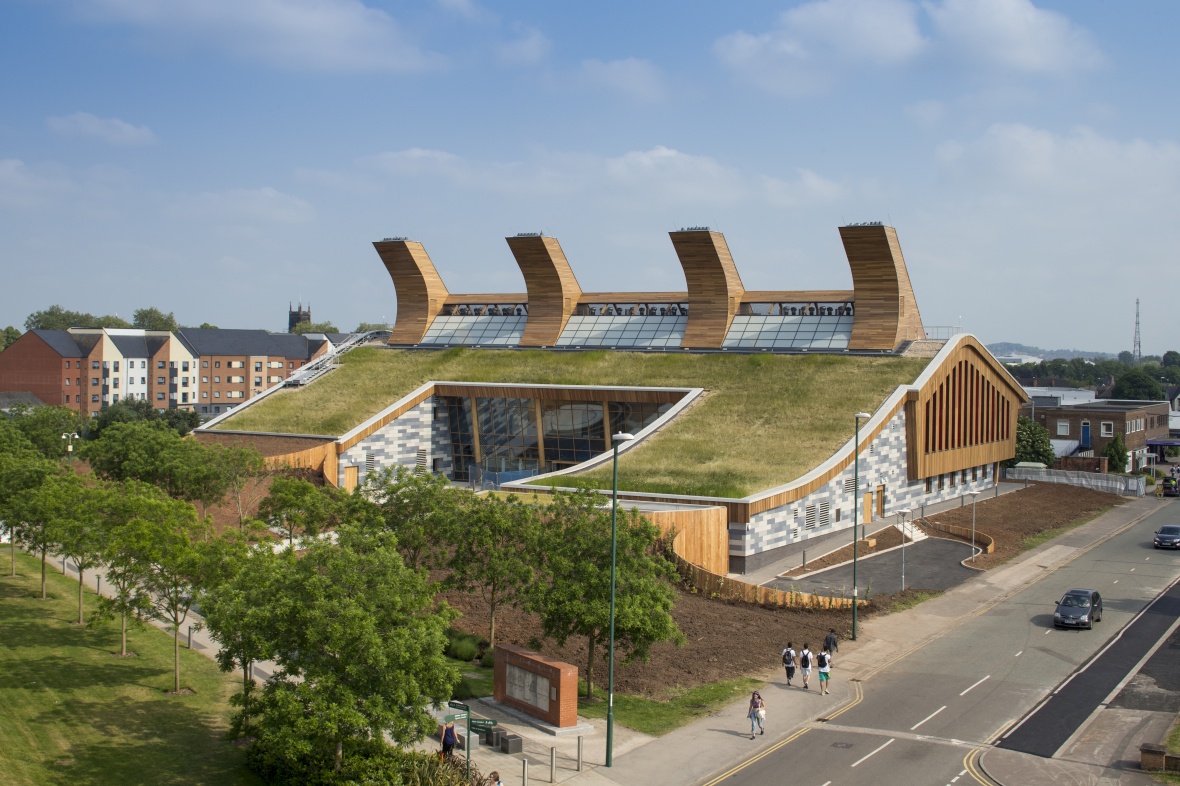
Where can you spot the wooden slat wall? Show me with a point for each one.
(714, 286)
(633, 297)
(886, 310)
(965, 416)
(558, 394)
(715, 586)
(798, 295)
(702, 535)
(553, 289)
(312, 458)
(420, 290)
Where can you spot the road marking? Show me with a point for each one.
(1116, 581)
(827, 783)
(859, 697)
(973, 771)
(729, 773)
(928, 717)
(1048, 632)
(1132, 570)
(874, 753)
(1017, 655)
(985, 679)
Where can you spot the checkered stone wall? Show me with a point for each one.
(396, 444)
(830, 508)
(440, 440)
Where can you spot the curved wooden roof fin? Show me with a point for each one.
(714, 286)
(886, 311)
(552, 288)
(419, 288)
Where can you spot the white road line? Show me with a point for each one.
(985, 679)
(1132, 570)
(1017, 655)
(928, 717)
(1116, 581)
(874, 753)
(1048, 632)
(827, 783)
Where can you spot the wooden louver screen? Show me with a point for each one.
(965, 410)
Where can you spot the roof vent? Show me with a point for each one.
(694, 229)
(395, 239)
(529, 234)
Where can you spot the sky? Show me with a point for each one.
(221, 158)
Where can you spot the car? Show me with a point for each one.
(1170, 487)
(1078, 608)
(1167, 537)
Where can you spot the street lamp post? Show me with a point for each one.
(973, 494)
(902, 515)
(616, 440)
(69, 436)
(855, 512)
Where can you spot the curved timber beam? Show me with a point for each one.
(714, 287)
(552, 288)
(886, 309)
(420, 291)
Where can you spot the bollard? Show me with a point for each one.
(579, 753)
(553, 765)
(190, 637)
(98, 585)
(524, 772)
(63, 566)
(805, 558)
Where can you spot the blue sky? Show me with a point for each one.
(218, 158)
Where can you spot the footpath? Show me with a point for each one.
(706, 749)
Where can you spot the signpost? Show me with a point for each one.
(464, 713)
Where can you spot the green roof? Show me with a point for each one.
(765, 419)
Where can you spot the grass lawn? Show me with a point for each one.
(765, 420)
(678, 707)
(72, 714)
(476, 681)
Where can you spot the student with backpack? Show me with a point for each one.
(824, 661)
(831, 644)
(789, 662)
(805, 658)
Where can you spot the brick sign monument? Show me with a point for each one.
(542, 687)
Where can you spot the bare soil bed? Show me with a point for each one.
(726, 640)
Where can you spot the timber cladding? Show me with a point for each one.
(714, 287)
(702, 535)
(420, 290)
(964, 415)
(886, 309)
(553, 290)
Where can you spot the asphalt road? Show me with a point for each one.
(923, 716)
(930, 564)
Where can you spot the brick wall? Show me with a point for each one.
(555, 683)
(29, 365)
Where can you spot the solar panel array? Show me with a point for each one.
(471, 331)
(623, 331)
(789, 332)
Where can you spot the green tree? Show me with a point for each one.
(82, 535)
(152, 318)
(422, 510)
(299, 508)
(22, 469)
(360, 653)
(43, 512)
(133, 450)
(1171, 358)
(1032, 444)
(314, 327)
(182, 421)
(573, 597)
(1116, 454)
(58, 318)
(365, 327)
(491, 553)
(44, 426)
(7, 336)
(244, 469)
(1126, 358)
(1138, 385)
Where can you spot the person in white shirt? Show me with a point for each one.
(805, 659)
(789, 661)
(824, 662)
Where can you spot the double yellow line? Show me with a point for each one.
(971, 765)
(858, 697)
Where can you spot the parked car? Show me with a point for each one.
(1167, 537)
(1078, 608)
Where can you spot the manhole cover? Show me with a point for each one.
(841, 744)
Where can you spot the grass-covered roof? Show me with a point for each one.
(765, 419)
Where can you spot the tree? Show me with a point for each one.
(242, 468)
(182, 421)
(360, 654)
(1116, 454)
(7, 336)
(43, 512)
(314, 327)
(365, 327)
(152, 318)
(1127, 358)
(298, 508)
(58, 318)
(82, 536)
(573, 597)
(1138, 385)
(44, 425)
(1032, 444)
(1171, 359)
(491, 552)
(132, 451)
(22, 469)
(422, 510)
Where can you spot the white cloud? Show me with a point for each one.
(468, 9)
(23, 187)
(530, 46)
(243, 206)
(1014, 35)
(808, 189)
(111, 130)
(299, 35)
(635, 78)
(813, 43)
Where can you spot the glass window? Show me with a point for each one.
(1107, 428)
(1063, 428)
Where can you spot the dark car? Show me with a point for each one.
(1171, 488)
(1167, 537)
(1078, 608)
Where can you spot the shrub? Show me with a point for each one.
(489, 658)
(462, 646)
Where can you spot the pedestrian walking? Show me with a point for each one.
(789, 657)
(494, 779)
(805, 658)
(756, 714)
(824, 662)
(448, 739)
(831, 643)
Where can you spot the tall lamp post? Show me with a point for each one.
(973, 494)
(616, 441)
(902, 514)
(855, 512)
(69, 436)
